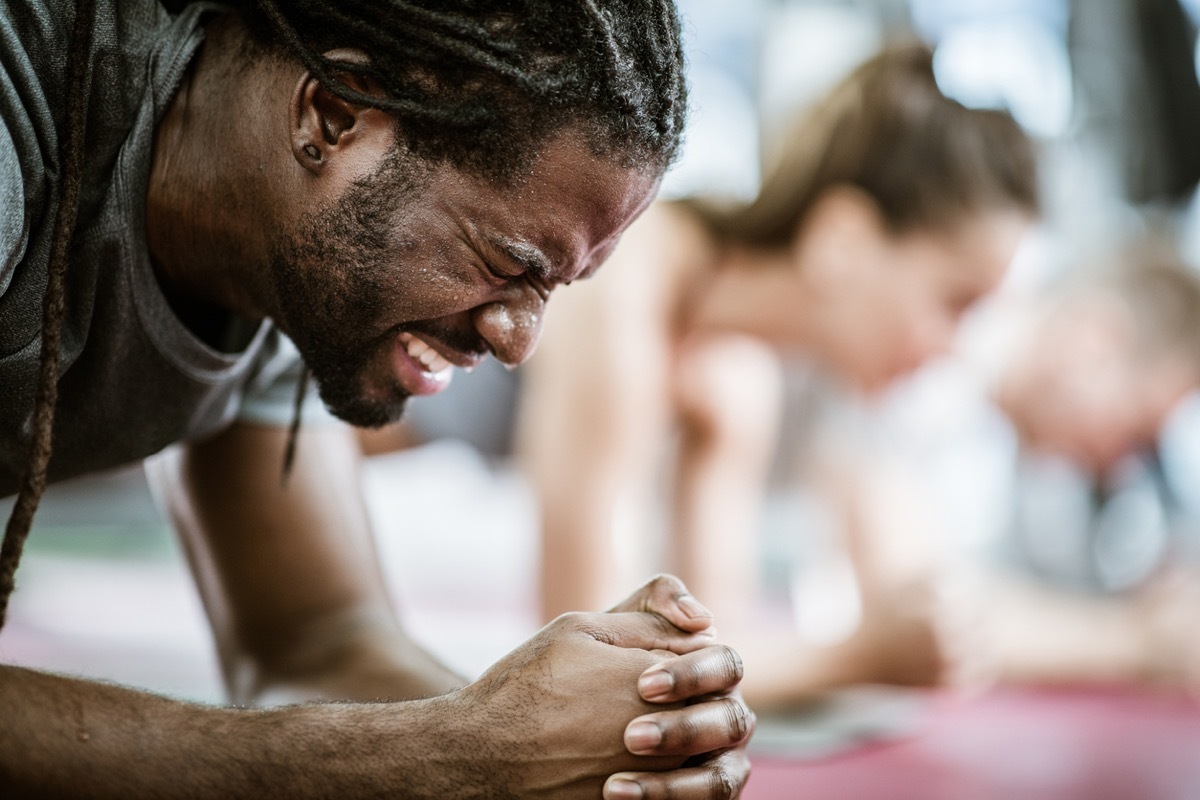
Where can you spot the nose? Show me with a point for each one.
(511, 326)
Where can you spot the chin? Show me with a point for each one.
(368, 414)
(871, 383)
(349, 402)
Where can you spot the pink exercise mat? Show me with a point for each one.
(1013, 744)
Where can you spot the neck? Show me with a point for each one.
(207, 211)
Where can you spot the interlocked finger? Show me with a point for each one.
(721, 777)
(715, 724)
(716, 669)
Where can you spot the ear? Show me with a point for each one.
(325, 127)
(843, 230)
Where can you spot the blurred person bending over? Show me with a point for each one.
(397, 187)
(893, 209)
(1096, 564)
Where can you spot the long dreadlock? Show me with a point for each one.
(33, 481)
(477, 83)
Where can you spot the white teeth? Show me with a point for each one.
(426, 355)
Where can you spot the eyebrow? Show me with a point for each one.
(531, 259)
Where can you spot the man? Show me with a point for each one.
(398, 188)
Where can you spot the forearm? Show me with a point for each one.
(727, 392)
(1038, 636)
(63, 737)
(580, 568)
(355, 660)
(784, 671)
(717, 497)
(551, 720)
(289, 574)
(592, 491)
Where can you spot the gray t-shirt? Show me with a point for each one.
(134, 378)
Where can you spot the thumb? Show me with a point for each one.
(666, 596)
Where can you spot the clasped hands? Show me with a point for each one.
(640, 701)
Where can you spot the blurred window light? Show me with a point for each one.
(1003, 54)
(1179, 446)
(933, 18)
(1192, 7)
(720, 145)
(1016, 66)
(807, 48)
(721, 35)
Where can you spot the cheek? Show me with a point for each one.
(430, 281)
(866, 330)
(891, 329)
(918, 322)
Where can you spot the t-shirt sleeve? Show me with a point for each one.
(270, 399)
(12, 210)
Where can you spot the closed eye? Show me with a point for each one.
(497, 272)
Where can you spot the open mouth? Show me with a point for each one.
(430, 359)
(419, 368)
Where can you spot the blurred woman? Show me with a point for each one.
(891, 212)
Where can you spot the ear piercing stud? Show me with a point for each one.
(312, 152)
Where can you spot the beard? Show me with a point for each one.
(330, 280)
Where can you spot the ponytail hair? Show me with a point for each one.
(889, 131)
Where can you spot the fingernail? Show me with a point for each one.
(642, 737)
(692, 607)
(655, 684)
(623, 790)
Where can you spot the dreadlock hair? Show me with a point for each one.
(480, 84)
(33, 481)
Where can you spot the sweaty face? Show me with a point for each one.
(900, 303)
(419, 269)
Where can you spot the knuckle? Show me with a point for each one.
(688, 675)
(572, 620)
(686, 731)
(663, 588)
(659, 579)
(723, 786)
(666, 584)
(575, 622)
(567, 618)
(662, 629)
(739, 719)
(731, 664)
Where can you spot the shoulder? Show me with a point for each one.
(674, 230)
(658, 250)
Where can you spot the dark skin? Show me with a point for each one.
(246, 158)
